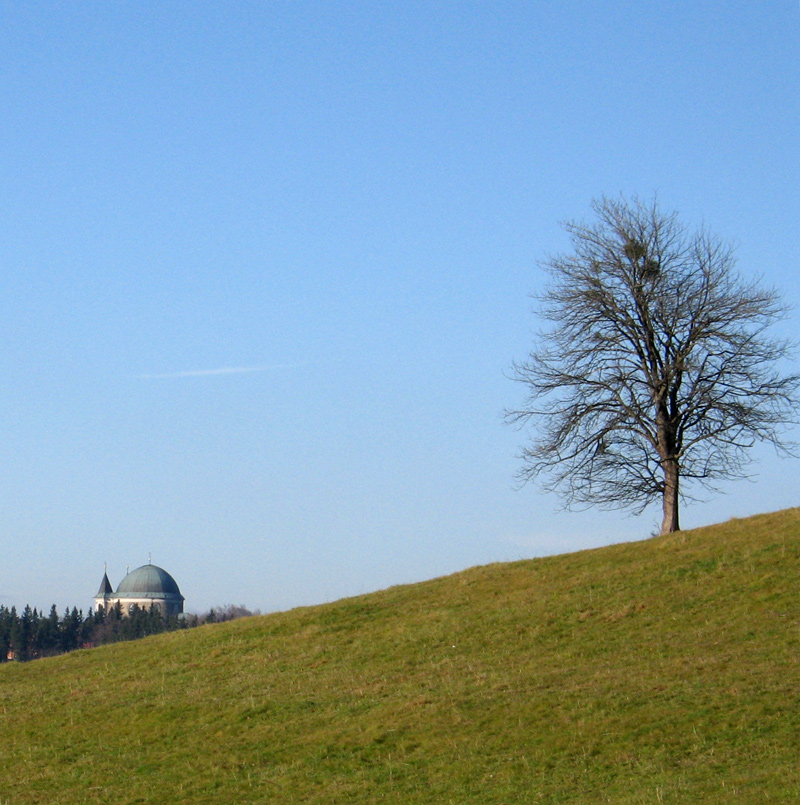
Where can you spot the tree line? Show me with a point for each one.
(31, 634)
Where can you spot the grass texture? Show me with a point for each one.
(663, 671)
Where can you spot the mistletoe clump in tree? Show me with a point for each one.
(657, 369)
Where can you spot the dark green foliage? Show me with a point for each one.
(31, 635)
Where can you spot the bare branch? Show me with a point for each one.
(656, 365)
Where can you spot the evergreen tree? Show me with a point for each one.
(5, 633)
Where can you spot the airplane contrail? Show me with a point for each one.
(222, 370)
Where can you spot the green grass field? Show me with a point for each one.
(663, 671)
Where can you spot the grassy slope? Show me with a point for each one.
(660, 671)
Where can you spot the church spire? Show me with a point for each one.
(105, 587)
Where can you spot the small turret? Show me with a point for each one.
(104, 593)
(105, 587)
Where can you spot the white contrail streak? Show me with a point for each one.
(222, 370)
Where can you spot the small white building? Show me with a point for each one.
(145, 586)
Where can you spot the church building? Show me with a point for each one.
(145, 586)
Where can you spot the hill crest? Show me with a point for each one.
(655, 671)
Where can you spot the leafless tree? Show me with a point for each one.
(657, 367)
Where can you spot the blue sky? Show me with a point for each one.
(266, 265)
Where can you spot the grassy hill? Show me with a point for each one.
(665, 671)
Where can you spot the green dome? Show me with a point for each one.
(149, 581)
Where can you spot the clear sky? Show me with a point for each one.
(266, 265)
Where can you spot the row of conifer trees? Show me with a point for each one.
(31, 634)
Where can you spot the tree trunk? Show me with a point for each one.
(670, 522)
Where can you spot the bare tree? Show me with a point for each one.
(657, 367)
